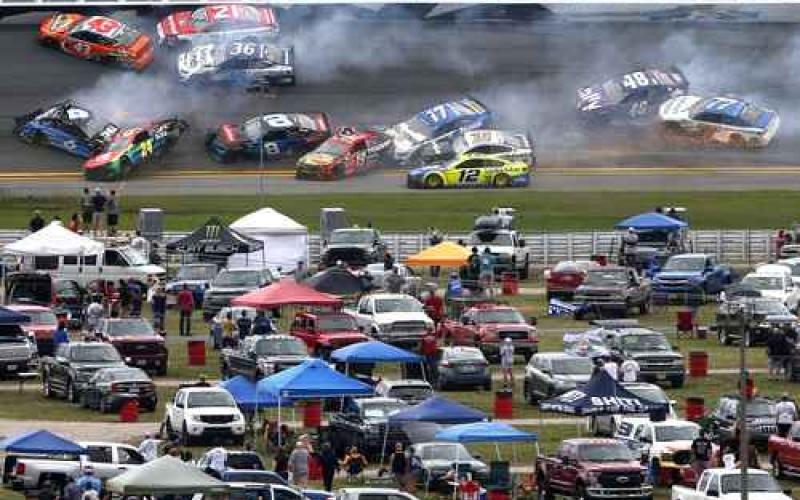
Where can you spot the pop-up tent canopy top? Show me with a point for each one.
(54, 240)
(285, 240)
(41, 442)
(286, 292)
(438, 410)
(214, 237)
(9, 317)
(445, 254)
(602, 395)
(165, 476)
(651, 221)
(336, 281)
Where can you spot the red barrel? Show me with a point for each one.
(312, 414)
(510, 284)
(695, 408)
(498, 495)
(129, 411)
(504, 404)
(196, 351)
(698, 364)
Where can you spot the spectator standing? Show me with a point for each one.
(61, 336)
(355, 463)
(388, 261)
(434, 238)
(330, 464)
(701, 452)
(785, 414)
(454, 287)
(124, 296)
(611, 367)
(94, 313)
(301, 273)
(399, 465)
(629, 243)
(393, 282)
(216, 462)
(228, 326)
(148, 448)
(140, 244)
(87, 209)
(186, 308)
(158, 306)
(434, 305)
(217, 335)
(262, 325)
(429, 348)
(486, 276)
(112, 213)
(98, 210)
(244, 324)
(71, 490)
(630, 370)
(298, 465)
(74, 224)
(88, 481)
(135, 292)
(507, 361)
(474, 265)
(37, 222)
(775, 346)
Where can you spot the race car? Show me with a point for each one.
(97, 38)
(217, 22)
(245, 64)
(347, 153)
(718, 120)
(471, 171)
(631, 98)
(436, 124)
(133, 147)
(272, 136)
(66, 126)
(498, 143)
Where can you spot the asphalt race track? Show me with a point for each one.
(374, 73)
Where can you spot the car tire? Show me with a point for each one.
(777, 468)
(644, 307)
(71, 392)
(501, 181)
(186, 439)
(487, 386)
(103, 406)
(339, 173)
(747, 339)
(433, 181)
(580, 492)
(542, 491)
(169, 430)
(677, 383)
(439, 384)
(724, 338)
(530, 397)
(38, 139)
(161, 371)
(47, 388)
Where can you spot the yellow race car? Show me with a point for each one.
(473, 170)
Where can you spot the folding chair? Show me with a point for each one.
(685, 325)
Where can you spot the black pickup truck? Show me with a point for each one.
(67, 373)
(362, 423)
(262, 355)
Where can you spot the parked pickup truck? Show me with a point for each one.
(727, 484)
(692, 273)
(397, 319)
(107, 459)
(611, 289)
(324, 332)
(663, 445)
(262, 355)
(68, 372)
(658, 363)
(591, 468)
(17, 351)
(204, 412)
(784, 452)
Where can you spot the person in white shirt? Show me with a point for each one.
(630, 370)
(507, 361)
(216, 461)
(149, 447)
(611, 367)
(785, 414)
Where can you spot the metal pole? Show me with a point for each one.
(261, 160)
(743, 441)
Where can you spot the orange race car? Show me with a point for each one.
(97, 38)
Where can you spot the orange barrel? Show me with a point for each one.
(510, 284)
(312, 414)
(129, 411)
(504, 404)
(695, 408)
(698, 363)
(196, 352)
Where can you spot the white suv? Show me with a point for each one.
(204, 412)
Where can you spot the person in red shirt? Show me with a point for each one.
(186, 307)
(429, 348)
(434, 306)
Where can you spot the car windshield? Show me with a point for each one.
(750, 115)
(500, 316)
(614, 91)
(479, 238)
(254, 477)
(676, 433)
(573, 366)
(352, 236)
(250, 493)
(341, 323)
(648, 392)
(763, 282)
(760, 409)
(42, 317)
(127, 36)
(448, 452)
(333, 148)
(471, 355)
(771, 307)
(606, 277)
(128, 374)
(410, 392)
(96, 352)
(209, 398)
(271, 346)
(605, 453)
(238, 279)
(129, 328)
(244, 461)
(685, 264)
(381, 410)
(134, 257)
(732, 483)
(400, 304)
(197, 272)
(652, 342)
(654, 236)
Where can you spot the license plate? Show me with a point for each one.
(661, 376)
(468, 369)
(11, 367)
(141, 362)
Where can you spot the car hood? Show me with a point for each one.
(317, 159)
(340, 246)
(284, 358)
(96, 365)
(671, 446)
(507, 327)
(781, 318)
(445, 464)
(229, 290)
(391, 317)
(578, 379)
(592, 99)
(678, 109)
(609, 289)
(172, 285)
(654, 354)
(150, 269)
(775, 294)
(138, 339)
(342, 337)
(213, 410)
(631, 466)
(679, 274)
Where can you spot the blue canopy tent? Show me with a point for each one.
(486, 432)
(439, 410)
(650, 221)
(247, 396)
(9, 317)
(41, 442)
(602, 395)
(374, 351)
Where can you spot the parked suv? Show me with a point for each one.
(17, 351)
(363, 422)
(203, 413)
(354, 246)
(565, 277)
(760, 418)
(411, 391)
(42, 325)
(68, 372)
(231, 283)
(651, 350)
(549, 374)
(196, 277)
(260, 355)
(324, 332)
(692, 273)
(137, 343)
(462, 367)
(613, 289)
(763, 315)
(110, 387)
(437, 460)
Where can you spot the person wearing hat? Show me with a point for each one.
(88, 481)
(507, 361)
(37, 222)
(785, 414)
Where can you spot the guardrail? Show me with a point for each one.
(733, 246)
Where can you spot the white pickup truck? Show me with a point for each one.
(107, 459)
(726, 484)
(204, 412)
(396, 319)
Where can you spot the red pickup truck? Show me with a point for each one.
(565, 277)
(485, 326)
(591, 468)
(325, 332)
(784, 453)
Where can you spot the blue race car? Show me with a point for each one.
(435, 125)
(632, 98)
(65, 126)
(278, 135)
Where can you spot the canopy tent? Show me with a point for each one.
(602, 395)
(165, 476)
(439, 410)
(374, 351)
(312, 379)
(285, 240)
(652, 221)
(246, 394)
(41, 442)
(445, 254)
(54, 240)
(9, 317)
(283, 293)
(485, 432)
(214, 237)
(336, 281)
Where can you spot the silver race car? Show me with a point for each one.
(246, 64)
(504, 144)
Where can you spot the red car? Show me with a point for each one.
(42, 326)
(327, 331)
(213, 20)
(97, 38)
(784, 453)
(347, 153)
(137, 343)
(486, 326)
(562, 280)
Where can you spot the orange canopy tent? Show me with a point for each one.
(286, 292)
(445, 254)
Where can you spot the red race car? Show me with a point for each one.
(217, 21)
(97, 38)
(347, 153)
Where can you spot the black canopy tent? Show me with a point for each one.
(337, 281)
(215, 242)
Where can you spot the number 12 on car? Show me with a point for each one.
(469, 175)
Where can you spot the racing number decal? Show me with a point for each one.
(76, 47)
(219, 12)
(635, 80)
(272, 148)
(146, 148)
(437, 113)
(278, 121)
(469, 175)
(249, 49)
(104, 25)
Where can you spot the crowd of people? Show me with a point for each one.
(97, 214)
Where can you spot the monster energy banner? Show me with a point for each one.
(602, 395)
(215, 238)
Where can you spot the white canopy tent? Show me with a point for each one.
(54, 240)
(285, 240)
(165, 476)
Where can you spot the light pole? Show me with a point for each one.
(746, 316)
(261, 161)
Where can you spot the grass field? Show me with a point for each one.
(451, 211)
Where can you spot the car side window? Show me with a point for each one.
(180, 398)
(100, 454)
(364, 308)
(86, 36)
(488, 163)
(375, 496)
(285, 494)
(703, 484)
(129, 457)
(473, 163)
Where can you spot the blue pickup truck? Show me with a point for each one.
(692, 273)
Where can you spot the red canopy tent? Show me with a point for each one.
(286, 292)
